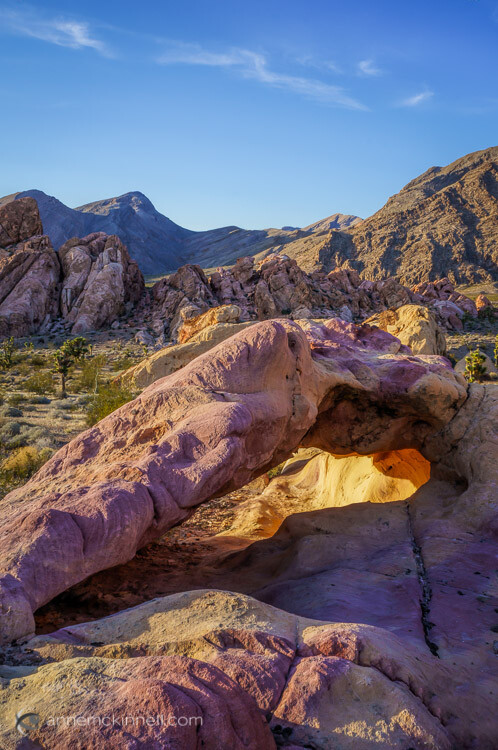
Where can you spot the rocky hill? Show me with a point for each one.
(155, 241)
(443, 223)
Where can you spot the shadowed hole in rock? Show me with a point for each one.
(305, 502)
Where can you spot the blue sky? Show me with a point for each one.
(245, 112)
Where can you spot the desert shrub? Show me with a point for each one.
(495, 350)
(65, 405)
(276, 470)
(8, 431)
(17, 435)
(10, 411)
(40, 382)
(90, 375)
(124, 363)
(108, 398)
(15, 399)
(37, 360)
(22, 464)
(39, 400)
(487, 313)
(474, 366)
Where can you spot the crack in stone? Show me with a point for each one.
(270, 714)
(425, 587)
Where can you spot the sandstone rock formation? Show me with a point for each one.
(89, 283)
(19, 220)
(99, 281)
(483, 303)
(383, 632)
(413, 325)
(221, 314)
(29, 270)
(209, 427)
(246, 656)
(314, 480)
(275, 287)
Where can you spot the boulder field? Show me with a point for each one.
(366, 621)
(86, 285)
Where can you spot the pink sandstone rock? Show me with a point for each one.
(99, 281)
(29, 286)
(204, 430)
(391, 643)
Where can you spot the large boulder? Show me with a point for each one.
(19, 220)
(29, 271)
(100, 281)
(29, 304)
(413, 325)
(221, 314)
(187, 291)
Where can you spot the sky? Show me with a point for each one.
(243, 112)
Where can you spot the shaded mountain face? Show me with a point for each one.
(154, 241)
(157, 243)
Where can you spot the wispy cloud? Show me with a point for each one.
(326, 65)
(61, 31)
(368, 68)
(255, 65)
(416, 99)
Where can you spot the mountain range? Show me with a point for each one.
(157, 243)
(443, 223)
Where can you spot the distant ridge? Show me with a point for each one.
(154, 241)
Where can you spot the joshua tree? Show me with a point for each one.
(475, 369)
(63, 359)
(7, 349)
(77, 348)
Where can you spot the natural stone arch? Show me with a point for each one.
(209, 428)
